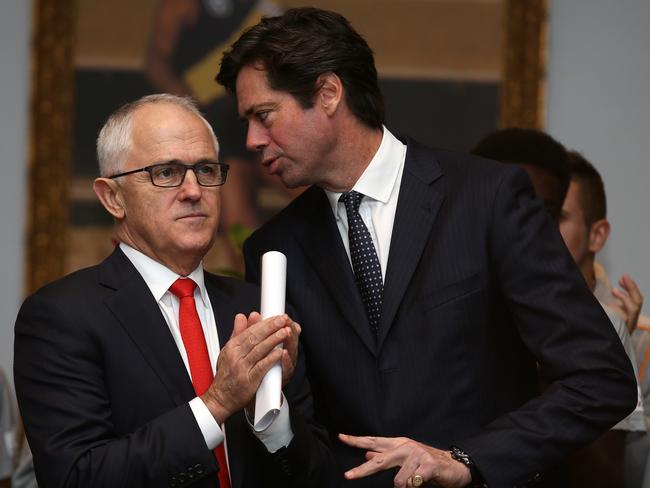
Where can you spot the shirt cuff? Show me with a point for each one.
(279, 433)
(212, 433)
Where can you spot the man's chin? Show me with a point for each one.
(290, 181)
(197, 245)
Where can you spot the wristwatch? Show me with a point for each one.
(462, 457)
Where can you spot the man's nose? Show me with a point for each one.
(190, 187)
(256, 137)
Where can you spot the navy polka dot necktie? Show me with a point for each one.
(365, 263)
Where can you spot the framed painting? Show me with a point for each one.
(451, 71)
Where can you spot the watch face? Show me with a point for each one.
(460, 456)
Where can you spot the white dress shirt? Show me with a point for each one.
(159, 278)
(380, 183)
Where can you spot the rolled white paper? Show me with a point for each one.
(274, 280)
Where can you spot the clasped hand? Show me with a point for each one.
(247, 357)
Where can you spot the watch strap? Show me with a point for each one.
(457, 454)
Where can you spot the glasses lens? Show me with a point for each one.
(210, 174)
(167, 174)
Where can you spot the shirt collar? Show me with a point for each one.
(158, 277)
(379, 178)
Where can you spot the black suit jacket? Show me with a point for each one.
(479, 287)
(104, 393)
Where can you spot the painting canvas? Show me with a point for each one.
(440, 65)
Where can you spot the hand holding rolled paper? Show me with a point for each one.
(269, 394)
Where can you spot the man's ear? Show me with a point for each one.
(330, 93)
(109, 193)
(598, 234)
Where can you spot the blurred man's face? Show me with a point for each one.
(573, 228)
(165, 223)
(293, 143)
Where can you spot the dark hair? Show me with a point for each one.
(301, 45)
(592, 190)
(531, 147)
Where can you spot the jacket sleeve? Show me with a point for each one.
(590, 380)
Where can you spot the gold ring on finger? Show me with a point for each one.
(417, 480)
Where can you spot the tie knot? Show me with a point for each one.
(351, 200)
(183, 287)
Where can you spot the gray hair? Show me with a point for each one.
(114, 140)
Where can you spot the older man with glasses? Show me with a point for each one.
(138, 371)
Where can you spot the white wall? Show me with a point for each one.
(599, 104)
(15, 31)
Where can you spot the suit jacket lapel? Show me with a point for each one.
(320, 240)
(224, 309)
(417, 207)
(136, 310)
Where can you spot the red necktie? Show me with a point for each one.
(197, 355)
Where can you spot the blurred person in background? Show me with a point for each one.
(574, 196)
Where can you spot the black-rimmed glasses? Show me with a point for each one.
(173, 174)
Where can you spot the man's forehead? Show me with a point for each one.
(171, 133)
(252, 84)
(150, 113)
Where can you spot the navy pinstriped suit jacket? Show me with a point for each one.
(479, 288)
(103, 390)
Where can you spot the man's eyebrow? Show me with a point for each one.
(254, 108)
(166, 161)
(244, 117)
(178, 161)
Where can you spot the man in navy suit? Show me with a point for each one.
(110, 360)
(429, 284)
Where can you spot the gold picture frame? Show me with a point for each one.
(50, 140)
(522, 102)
